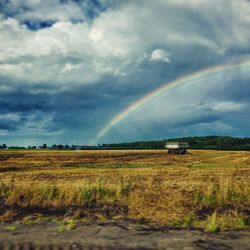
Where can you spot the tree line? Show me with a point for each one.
(196, 142)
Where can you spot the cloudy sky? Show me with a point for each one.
(68, 67)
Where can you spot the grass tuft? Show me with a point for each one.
(212, 223)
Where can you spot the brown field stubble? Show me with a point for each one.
(204, 189)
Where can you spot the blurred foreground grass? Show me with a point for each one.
(203, 189)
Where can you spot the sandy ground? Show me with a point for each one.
(118, 235)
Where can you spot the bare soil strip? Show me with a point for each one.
(118, 235)
(84, 211)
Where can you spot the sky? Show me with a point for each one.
(70, 67)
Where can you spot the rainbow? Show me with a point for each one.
(199, 75)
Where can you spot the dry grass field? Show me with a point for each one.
(203, 189)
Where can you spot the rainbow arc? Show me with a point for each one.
(191, 78)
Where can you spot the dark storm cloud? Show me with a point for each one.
(23, 102)
(72, 109)
(8, 125)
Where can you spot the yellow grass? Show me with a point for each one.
(207, 189)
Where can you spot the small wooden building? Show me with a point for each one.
(177, 147)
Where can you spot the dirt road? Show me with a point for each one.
(118, 235)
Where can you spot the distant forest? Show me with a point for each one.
(197, 142)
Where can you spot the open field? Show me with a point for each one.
(203, 189)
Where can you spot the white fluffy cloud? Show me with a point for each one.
(118, 39)
(159, 55)
(229, 106)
